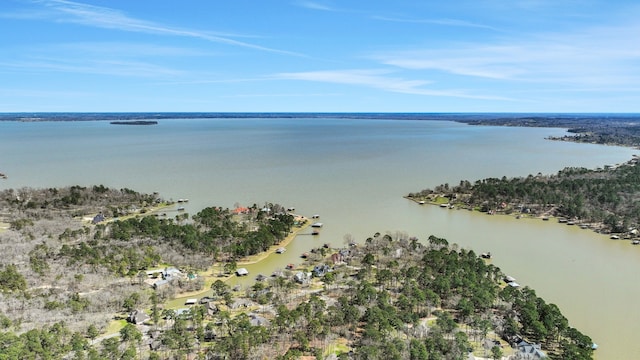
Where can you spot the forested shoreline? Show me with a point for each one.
(604, 199)
(69, 286)
(603, 129)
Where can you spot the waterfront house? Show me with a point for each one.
(241, 210)
(529, 351)
(321, 270)
(302, 277)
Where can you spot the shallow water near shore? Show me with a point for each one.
(354, 173)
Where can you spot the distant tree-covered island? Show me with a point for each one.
(100, 273)
(603, 199)
(134, 122)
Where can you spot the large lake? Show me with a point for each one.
(354, 173)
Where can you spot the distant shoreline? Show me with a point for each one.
(135, 122)
(521, 119)
(597, 128)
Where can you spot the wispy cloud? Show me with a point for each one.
(488, 62)
(378, 79)
(120, 49)
(108, 18)
(313, 5)
(95, 66)
(443, 22)
(283, 95)
(606, 56)
(116, 58)
(24, 15)
(372, 78)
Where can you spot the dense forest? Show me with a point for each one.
(604, 199)
(76, 289)
(76, 254)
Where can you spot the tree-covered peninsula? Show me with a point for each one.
(604, 199)
(99, 273)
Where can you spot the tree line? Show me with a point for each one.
(605, 196)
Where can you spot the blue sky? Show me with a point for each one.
(320, 56)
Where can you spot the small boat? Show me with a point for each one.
(635, 242)
(421, 202)
(181, 208)
(280, 250)
(304, 255)
(444, 205)
(290, 266)
(315, 216)
(242, 272)
(615, 237)
(509, 279)
(317, 225)
(486, 255)
(545, 218)
(326, 245)
(315, 232)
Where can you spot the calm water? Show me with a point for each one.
(354, 174)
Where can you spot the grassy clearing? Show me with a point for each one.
(115, 326)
